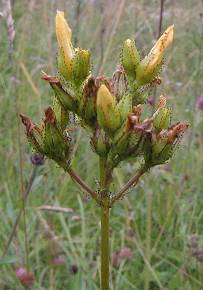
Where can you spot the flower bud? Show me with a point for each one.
(107, 112)
(150, 66)
(130, 58)
(80, 66)
(66, 52)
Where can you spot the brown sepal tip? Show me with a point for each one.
(90, 88)
(29, 125)
(134, 117)
(50, 79)
(50, 117)
(176, 130)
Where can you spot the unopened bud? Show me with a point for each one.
(107, 112)
(150, 66)
(65, 53)
(80, 66)
(130, 58)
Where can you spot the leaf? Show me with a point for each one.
(9, 260)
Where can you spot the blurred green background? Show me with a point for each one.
(160, 219)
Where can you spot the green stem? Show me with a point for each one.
(148, 239)
(105, 179)
(104, 248)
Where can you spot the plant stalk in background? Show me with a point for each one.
(111, 111)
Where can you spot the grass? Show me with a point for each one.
(158, 218)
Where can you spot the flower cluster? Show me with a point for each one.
(109, 108)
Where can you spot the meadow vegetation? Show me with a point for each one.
(156, 231)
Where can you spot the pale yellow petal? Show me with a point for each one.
(164, 41)
(63, 33)
(104, 98)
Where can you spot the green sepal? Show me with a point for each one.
(80, 66)
(64, 69)
(125, 106)
(121, 140)
(65, 98)
(62, 116)
(162, 153)
(139, 96)
(110, 121)
(162, 119)
(142, 77)
(100, 143)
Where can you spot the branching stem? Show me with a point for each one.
(82, 183)
(131, 183)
